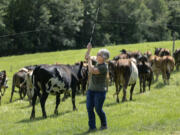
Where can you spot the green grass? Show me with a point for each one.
(155, 112)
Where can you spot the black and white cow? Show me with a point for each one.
(125, 74)
(56, 79)
(3, 83)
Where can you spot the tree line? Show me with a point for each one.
(29, 26)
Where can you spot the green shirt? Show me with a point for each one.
(98, 82)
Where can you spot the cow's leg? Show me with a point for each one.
(57, 103)
(33, 105)
(167, 76)
(164, 77)
(84, 87)
(20, 93)
(144, 84)
(73, 96)
(131, 91)
(177, 67)
(73, 99)
(140, 84)
(157, 75)
(4, 90)
(24, 92)
(149, 82)
(12, 92)
(0, 99)
(117, 92)
(124, 93)
(1, 92)
(66, 95)
(43, 101)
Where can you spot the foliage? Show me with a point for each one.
(49, 25)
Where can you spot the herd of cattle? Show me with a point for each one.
(124, 70)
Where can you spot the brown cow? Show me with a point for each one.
(120, 56)
(125, 73)
(164, 52)
(157, 51)
(176, 56)
(18, 81)
(148, 54)
(135, 54)
(164, 65)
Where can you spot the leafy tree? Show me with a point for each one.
(174, 22)
(65, 22)
(160, 18)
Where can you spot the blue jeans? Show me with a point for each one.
(95, 99)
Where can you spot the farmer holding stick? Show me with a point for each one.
(97, 88)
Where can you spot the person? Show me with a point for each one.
(97, 88)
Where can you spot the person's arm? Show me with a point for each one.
(89, 47)
(91, 68)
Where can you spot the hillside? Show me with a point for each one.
(155, 112)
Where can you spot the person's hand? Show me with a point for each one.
(89, 57)
(89, 46)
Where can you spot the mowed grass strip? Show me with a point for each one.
(155, 112)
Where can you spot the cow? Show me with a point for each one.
(111, 71)
(148, 54)
(168, 64)
(164, 52)
(176, 56)
(157, 51)
(164, 65)
(55, 79)
(3, 83)
(125, 74)
(145, 73)
(121, 56)
(19, 81)
(83, 81)
(135, 54)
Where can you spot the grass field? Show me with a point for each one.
(156, 112)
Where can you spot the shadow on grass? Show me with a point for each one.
(13, 101)
(60, 114)
(41, 118)
(160, 85)
(82, 102)
(29, 120)
(175, 71)
(87, 132)
(111, 104)
(25, 107)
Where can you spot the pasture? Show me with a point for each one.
(155, 112)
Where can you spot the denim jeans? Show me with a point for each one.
(95, 100)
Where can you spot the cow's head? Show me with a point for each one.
(123, 51)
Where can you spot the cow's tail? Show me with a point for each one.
(170, 67)
(79, 71)
(125, 72)
(13, 88)
(34, 82)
